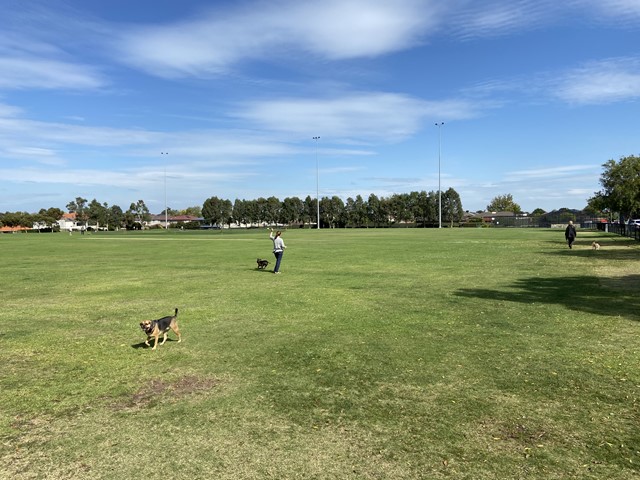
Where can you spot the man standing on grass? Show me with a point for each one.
(278, 248)
(570, 234)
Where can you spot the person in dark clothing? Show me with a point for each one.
(570, 234)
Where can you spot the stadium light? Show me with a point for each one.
(439, 124)
(166, 221)
(317, 184)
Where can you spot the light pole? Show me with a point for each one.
(166, 222)
(439, 125)
(317, 184)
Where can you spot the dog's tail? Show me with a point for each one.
(176, 314)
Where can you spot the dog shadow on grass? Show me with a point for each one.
(144, 345)
(590, 294)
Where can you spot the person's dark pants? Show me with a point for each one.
(570, 241)
(278, 256)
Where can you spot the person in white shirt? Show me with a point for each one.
(278, 248)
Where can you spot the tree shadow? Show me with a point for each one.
(579, 293)
(612, 247)
(611, 252)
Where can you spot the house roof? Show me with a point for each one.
(177, 218)
(12, 229)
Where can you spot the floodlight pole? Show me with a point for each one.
(439, 124)
(317, 184)
(166, 221)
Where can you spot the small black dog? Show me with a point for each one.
(262, 264)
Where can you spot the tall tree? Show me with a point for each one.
(115, 217)
(78, 206)
(451, 206)
(504, 203)
(140, 212)
(217, 211)
(310, 210)
(292, 210)
(620, 187)
(97, 213)
(51, 215)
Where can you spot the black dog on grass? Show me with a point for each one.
(262, 264)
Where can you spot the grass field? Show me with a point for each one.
(377, 354)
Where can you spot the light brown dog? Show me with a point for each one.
(153, 328)
(595, 246)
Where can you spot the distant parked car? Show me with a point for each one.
(634, 223)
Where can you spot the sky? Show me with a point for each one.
(173, 102)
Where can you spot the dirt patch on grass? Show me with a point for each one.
(166, 390)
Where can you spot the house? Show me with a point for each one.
(172, 219)
(69, 223)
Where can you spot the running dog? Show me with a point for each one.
(153, 328)
(262, 264)
(595, 246)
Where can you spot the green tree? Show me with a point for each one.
(51, 216)
(97, 213)
(504, 203)
(332, 211)
(620, 187)
(139, 213)
(292, 210)
(310, 210)
(79, 207)
(115, 217)
(194, 211)
(451, 207)
(400, 207)
(425, 207)
(272, 209)
(217, 211)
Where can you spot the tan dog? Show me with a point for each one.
(153, 328)
(595, 246)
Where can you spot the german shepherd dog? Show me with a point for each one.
(153, 328)
(262, 264)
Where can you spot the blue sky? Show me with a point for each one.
(535, 96)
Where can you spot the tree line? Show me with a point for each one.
(420, 208)
(619, 199)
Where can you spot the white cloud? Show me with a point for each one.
(549, 172)
(332, 29)
(50, 133)
(371, 116)
(606, 81)
(618, 9)
(32, 72)
(499, 17)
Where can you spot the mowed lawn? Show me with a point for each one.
(376, 354)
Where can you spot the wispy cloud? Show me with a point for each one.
(549, 172)
(370, 116)
(499, 17)
(33, 53)
(606, 81)
(219, 40)
(33, 72)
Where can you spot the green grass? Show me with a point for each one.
(377, 354)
